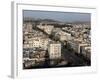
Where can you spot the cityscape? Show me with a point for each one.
(51, 41)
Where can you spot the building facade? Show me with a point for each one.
(64, 36)
(36, 42)
(47, 28)
(54, 50)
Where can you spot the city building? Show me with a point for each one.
(86, 52)
(54, 50)
(47, 28)
(27, 27)
(36, 42)
(81, 45)
(77, 44)
(64, 36)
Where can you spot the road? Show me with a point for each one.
(71, 57)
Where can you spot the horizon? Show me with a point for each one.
(57, 16)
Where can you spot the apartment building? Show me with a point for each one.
(36, 42)
(54, 50)
(47, 28)
(64, 36)
(27, 27)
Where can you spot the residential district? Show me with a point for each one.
(48, 44)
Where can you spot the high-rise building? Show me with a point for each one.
(54, 50)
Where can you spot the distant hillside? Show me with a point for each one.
(40, 20)
(51, 21)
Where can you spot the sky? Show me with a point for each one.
(59, 16)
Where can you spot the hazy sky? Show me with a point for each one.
(59, 16)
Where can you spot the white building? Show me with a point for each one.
(81, 45)
(76, 45)
(44, 43)
(64, 36)
(54, 50)
(27, 27)
(25, 45)
(46, 28)
(36, 42)
(86, 52)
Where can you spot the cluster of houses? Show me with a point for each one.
(36, 44)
